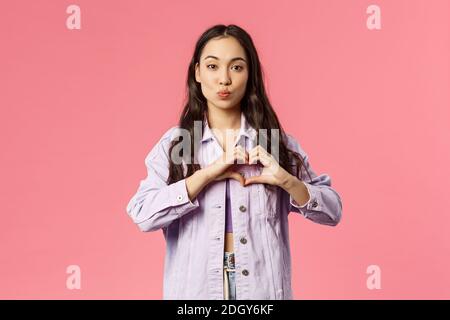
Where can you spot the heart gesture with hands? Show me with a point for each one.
(225, 167)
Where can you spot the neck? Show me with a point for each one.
(222, 119)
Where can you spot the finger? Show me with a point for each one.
(230, 156)
(255, 159)
(262, 151)
(226, 174)
(236, 176)
(241, 156)
(238, 150)
(265, 159)
(254, 151)
(254, 179)
(264, 155)
(252, 154)
(252, 159)
(241, 159)
(236, 155)
(246, 156)
(258, 149)
(244, 152)
(262, 159)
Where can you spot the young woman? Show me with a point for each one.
(223, 207)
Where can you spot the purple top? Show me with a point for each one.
(228, 221)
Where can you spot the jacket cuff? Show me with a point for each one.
(312, 203)
(180, 199)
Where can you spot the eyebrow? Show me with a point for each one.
(231, 60)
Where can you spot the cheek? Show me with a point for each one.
(209, 88)
(209, 83)
(241, 83)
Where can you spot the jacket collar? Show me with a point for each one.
(246, 130)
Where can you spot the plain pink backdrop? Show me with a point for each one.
(80, 110)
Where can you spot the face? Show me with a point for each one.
(222, 66)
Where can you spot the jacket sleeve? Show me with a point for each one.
(324, 205)
(156, 204)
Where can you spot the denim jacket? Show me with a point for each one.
(194, 230)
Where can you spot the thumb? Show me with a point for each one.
(237, 176)
(253, 179)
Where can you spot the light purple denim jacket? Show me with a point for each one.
(194, 230)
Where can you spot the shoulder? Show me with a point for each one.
(161, 148)
(170, 134)
(293, 144)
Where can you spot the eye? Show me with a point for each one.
(240, 68)
(208, 66)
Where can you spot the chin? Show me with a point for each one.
(228, 106)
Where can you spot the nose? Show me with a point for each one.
(225, 79)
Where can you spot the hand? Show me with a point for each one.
(272, 172)
(225, 166)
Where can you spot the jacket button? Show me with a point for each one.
(242, 208)
(245, 272)
(179, 197)
(243, 240)
(314, 204)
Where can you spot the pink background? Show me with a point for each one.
(80, 110)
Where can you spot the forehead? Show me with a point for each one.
(223, 48)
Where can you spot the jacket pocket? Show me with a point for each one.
(267, 196)
(268, 200)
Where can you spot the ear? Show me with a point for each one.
(197, 73)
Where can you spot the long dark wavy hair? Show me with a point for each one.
(255, 105)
